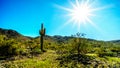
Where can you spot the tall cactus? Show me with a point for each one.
(42, 33)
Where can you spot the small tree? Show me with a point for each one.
(80, 44)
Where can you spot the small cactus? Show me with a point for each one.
(42, 33)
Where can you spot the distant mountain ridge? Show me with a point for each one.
(14, 34)
(115, 41)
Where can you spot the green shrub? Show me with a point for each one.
(111, 54)
(6, 46)
(10, 47)
(36, 51)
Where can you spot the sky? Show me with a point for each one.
(26, 16)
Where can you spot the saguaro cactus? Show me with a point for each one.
(42, 33)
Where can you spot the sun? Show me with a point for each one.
(80, 12)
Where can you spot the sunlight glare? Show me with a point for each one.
(81, 12)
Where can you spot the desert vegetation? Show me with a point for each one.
(76, 51)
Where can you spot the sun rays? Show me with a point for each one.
(81, 12)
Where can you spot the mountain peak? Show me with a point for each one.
(9, 32)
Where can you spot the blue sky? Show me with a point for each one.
(26, 16)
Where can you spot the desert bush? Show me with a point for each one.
(111, 54)
(6, 46)
(82, 46)
(35, 51)
(115, 49)
(10, 47)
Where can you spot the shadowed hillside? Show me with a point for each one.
(9, 33)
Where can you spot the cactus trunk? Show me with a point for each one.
(42, 34)
(41, 40)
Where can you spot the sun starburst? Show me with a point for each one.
(81, 12)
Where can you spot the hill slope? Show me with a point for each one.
(18, 51)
